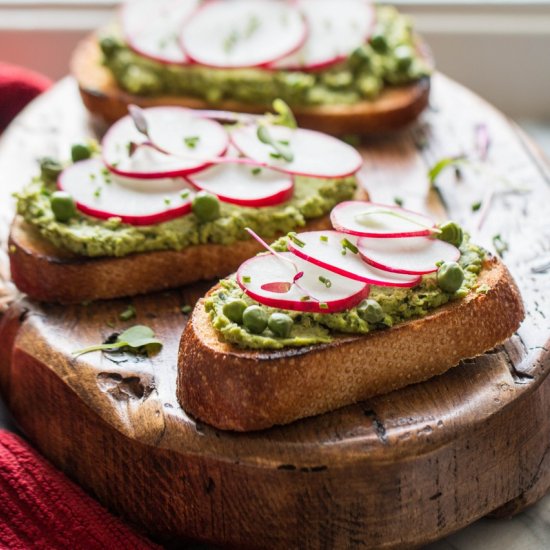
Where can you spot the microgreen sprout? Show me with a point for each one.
(280, 150)
(349, 246)
(325, 281)
(139, 338)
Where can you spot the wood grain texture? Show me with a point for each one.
(395, 471)
(396, 107)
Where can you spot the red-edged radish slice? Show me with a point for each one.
(412, 255)
(336, 29)
(245, 185)
(188, 138)
(270, 281)
(243, 33)
(315, 154)
(152, 28)
(326, 249)
(136, 201)
(370, 219)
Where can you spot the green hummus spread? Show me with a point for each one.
(88, 236)
(391, 57)
(398, 305)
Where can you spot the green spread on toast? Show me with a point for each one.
(398, 305)
(88, 236)
(391, 57)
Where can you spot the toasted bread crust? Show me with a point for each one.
(247, 390)
(45, 272)
(396, 107)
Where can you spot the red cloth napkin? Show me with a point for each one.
(40, 508)
(17, 87)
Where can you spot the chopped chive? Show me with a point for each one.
(92, 177)
(324, 238)
(476, 206)
(256, 171)
(325, 281)
(399, 201)
(296, 240)
(350, 246)
(184, 194)
(275, 155)
(97, 192)
(305, 298)
(246, 279)
(167, 201)
(128, 313)
(323, 305)
(191, 141)
(343, 252)
(284, 142)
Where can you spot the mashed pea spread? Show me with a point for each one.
(398, 305)
(390, 57)
(88, 236)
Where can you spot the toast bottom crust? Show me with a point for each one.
(246, 390)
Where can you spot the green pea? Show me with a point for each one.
(404, 56)
(50, 169)
(80, 152)
(233, 309)
(451, 232)
(370, 311)
(206, 206)
(108, 46)
(378, 42)
(63, 206)
(255, 319)
(280, 324)
(450, 277)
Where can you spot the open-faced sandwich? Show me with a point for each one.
(327, 318)
(344, 66)
(164, 201)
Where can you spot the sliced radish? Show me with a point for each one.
(413, 255)
(136, 201)
(336, 29)
(152, 28)
(370, 219)
(188, 138)
(271, 281)
(326, 249)
(242, 33)
(245, 185)
(314, 154)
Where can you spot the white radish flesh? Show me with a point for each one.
(413, 255)
(369, 219)
(152, 28)
(326, 249)
(242, 33)
(103, 195)
(191, 142)
(245, 185)
(270, 280)
(314, 153)
(336, 29)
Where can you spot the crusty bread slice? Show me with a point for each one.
(46, 272)
(245, 390)
(396, 107)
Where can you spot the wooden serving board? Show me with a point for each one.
(397, 471)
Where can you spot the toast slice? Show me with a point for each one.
(46, 272)
(245, 390)
(396, 107)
